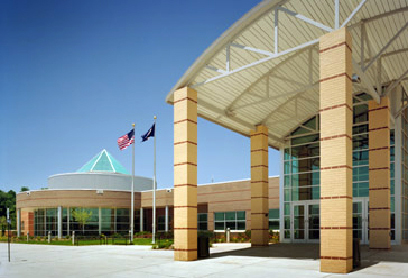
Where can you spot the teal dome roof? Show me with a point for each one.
(103, 162)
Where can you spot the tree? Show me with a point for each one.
(8, 200)
(24, 188)
(3, 223)
(82, 217)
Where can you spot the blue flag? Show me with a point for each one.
(149, 133)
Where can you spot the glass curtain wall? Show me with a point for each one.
(404, 175)
(302, 168)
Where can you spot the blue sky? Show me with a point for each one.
(74, 75)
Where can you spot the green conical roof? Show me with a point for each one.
(103, 162)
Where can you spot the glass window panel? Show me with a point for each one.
(241, 215)
(274, 225)
(219, 225)
(230, 216)
(273, 213)
(219, 216)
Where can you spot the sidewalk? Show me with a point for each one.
(227, 260)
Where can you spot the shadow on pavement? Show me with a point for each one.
(311, 252)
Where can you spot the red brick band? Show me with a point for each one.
(185, 142)
(259, 181)
(260, 197)
(336, 197)
(335, 46)
(335, 136)
(185, 206)
(337, 167)
(336, 258)
(185, 184)
(373, 209)
(335, 107)
(379, 168)
(344, 74)
(380, 229)
(260, 133)
(256, 166)
(380, 188)
(336, 228)
(378, 128)
(260, 150)
(185, 228)
(185, 163)
(185, 120)
(379, 149)
(379, 108)
(184, 99)
(184, 250)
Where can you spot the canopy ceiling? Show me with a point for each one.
(265, 69)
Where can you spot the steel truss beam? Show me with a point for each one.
(270, 73)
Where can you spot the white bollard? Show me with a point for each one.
(49, 236)
(28, 235)
(73, 237)
(228, 235)
(130, 237)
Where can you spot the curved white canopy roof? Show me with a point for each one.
(265, 69)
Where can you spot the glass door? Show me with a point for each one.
(361, 219)
(299, 223)
(305, 222)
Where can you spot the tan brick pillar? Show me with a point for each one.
(185, 174)
(379, 172)
(259, 187)
(336, 122)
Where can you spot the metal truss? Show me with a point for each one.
(269, 55)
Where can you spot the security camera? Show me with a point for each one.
(28, 193)
(168, 190)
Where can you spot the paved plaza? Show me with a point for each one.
(227, 260)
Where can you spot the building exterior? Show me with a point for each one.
(323, 82)
(102, 187)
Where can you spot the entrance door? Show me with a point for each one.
(360, 219)
(305, 219)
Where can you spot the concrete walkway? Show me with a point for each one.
(227, 260)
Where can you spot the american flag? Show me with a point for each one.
(127, 139)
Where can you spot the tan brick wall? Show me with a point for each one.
(336, 151)
(379, 173)
(185, 174)
(76, 198)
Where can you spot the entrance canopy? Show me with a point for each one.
(265, 68)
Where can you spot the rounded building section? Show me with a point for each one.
(101, 188)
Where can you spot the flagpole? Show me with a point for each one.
(133, 176)
(154, 188)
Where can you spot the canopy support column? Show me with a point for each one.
(379, 174)
(336, 120)
(259, 187)
(185, 174)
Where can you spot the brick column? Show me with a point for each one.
(259, 187)
(185, 174)
(379, 173)
(336, 122)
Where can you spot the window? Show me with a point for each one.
(161, 223)
(274, 219)
(234, 220)
(202, 221)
